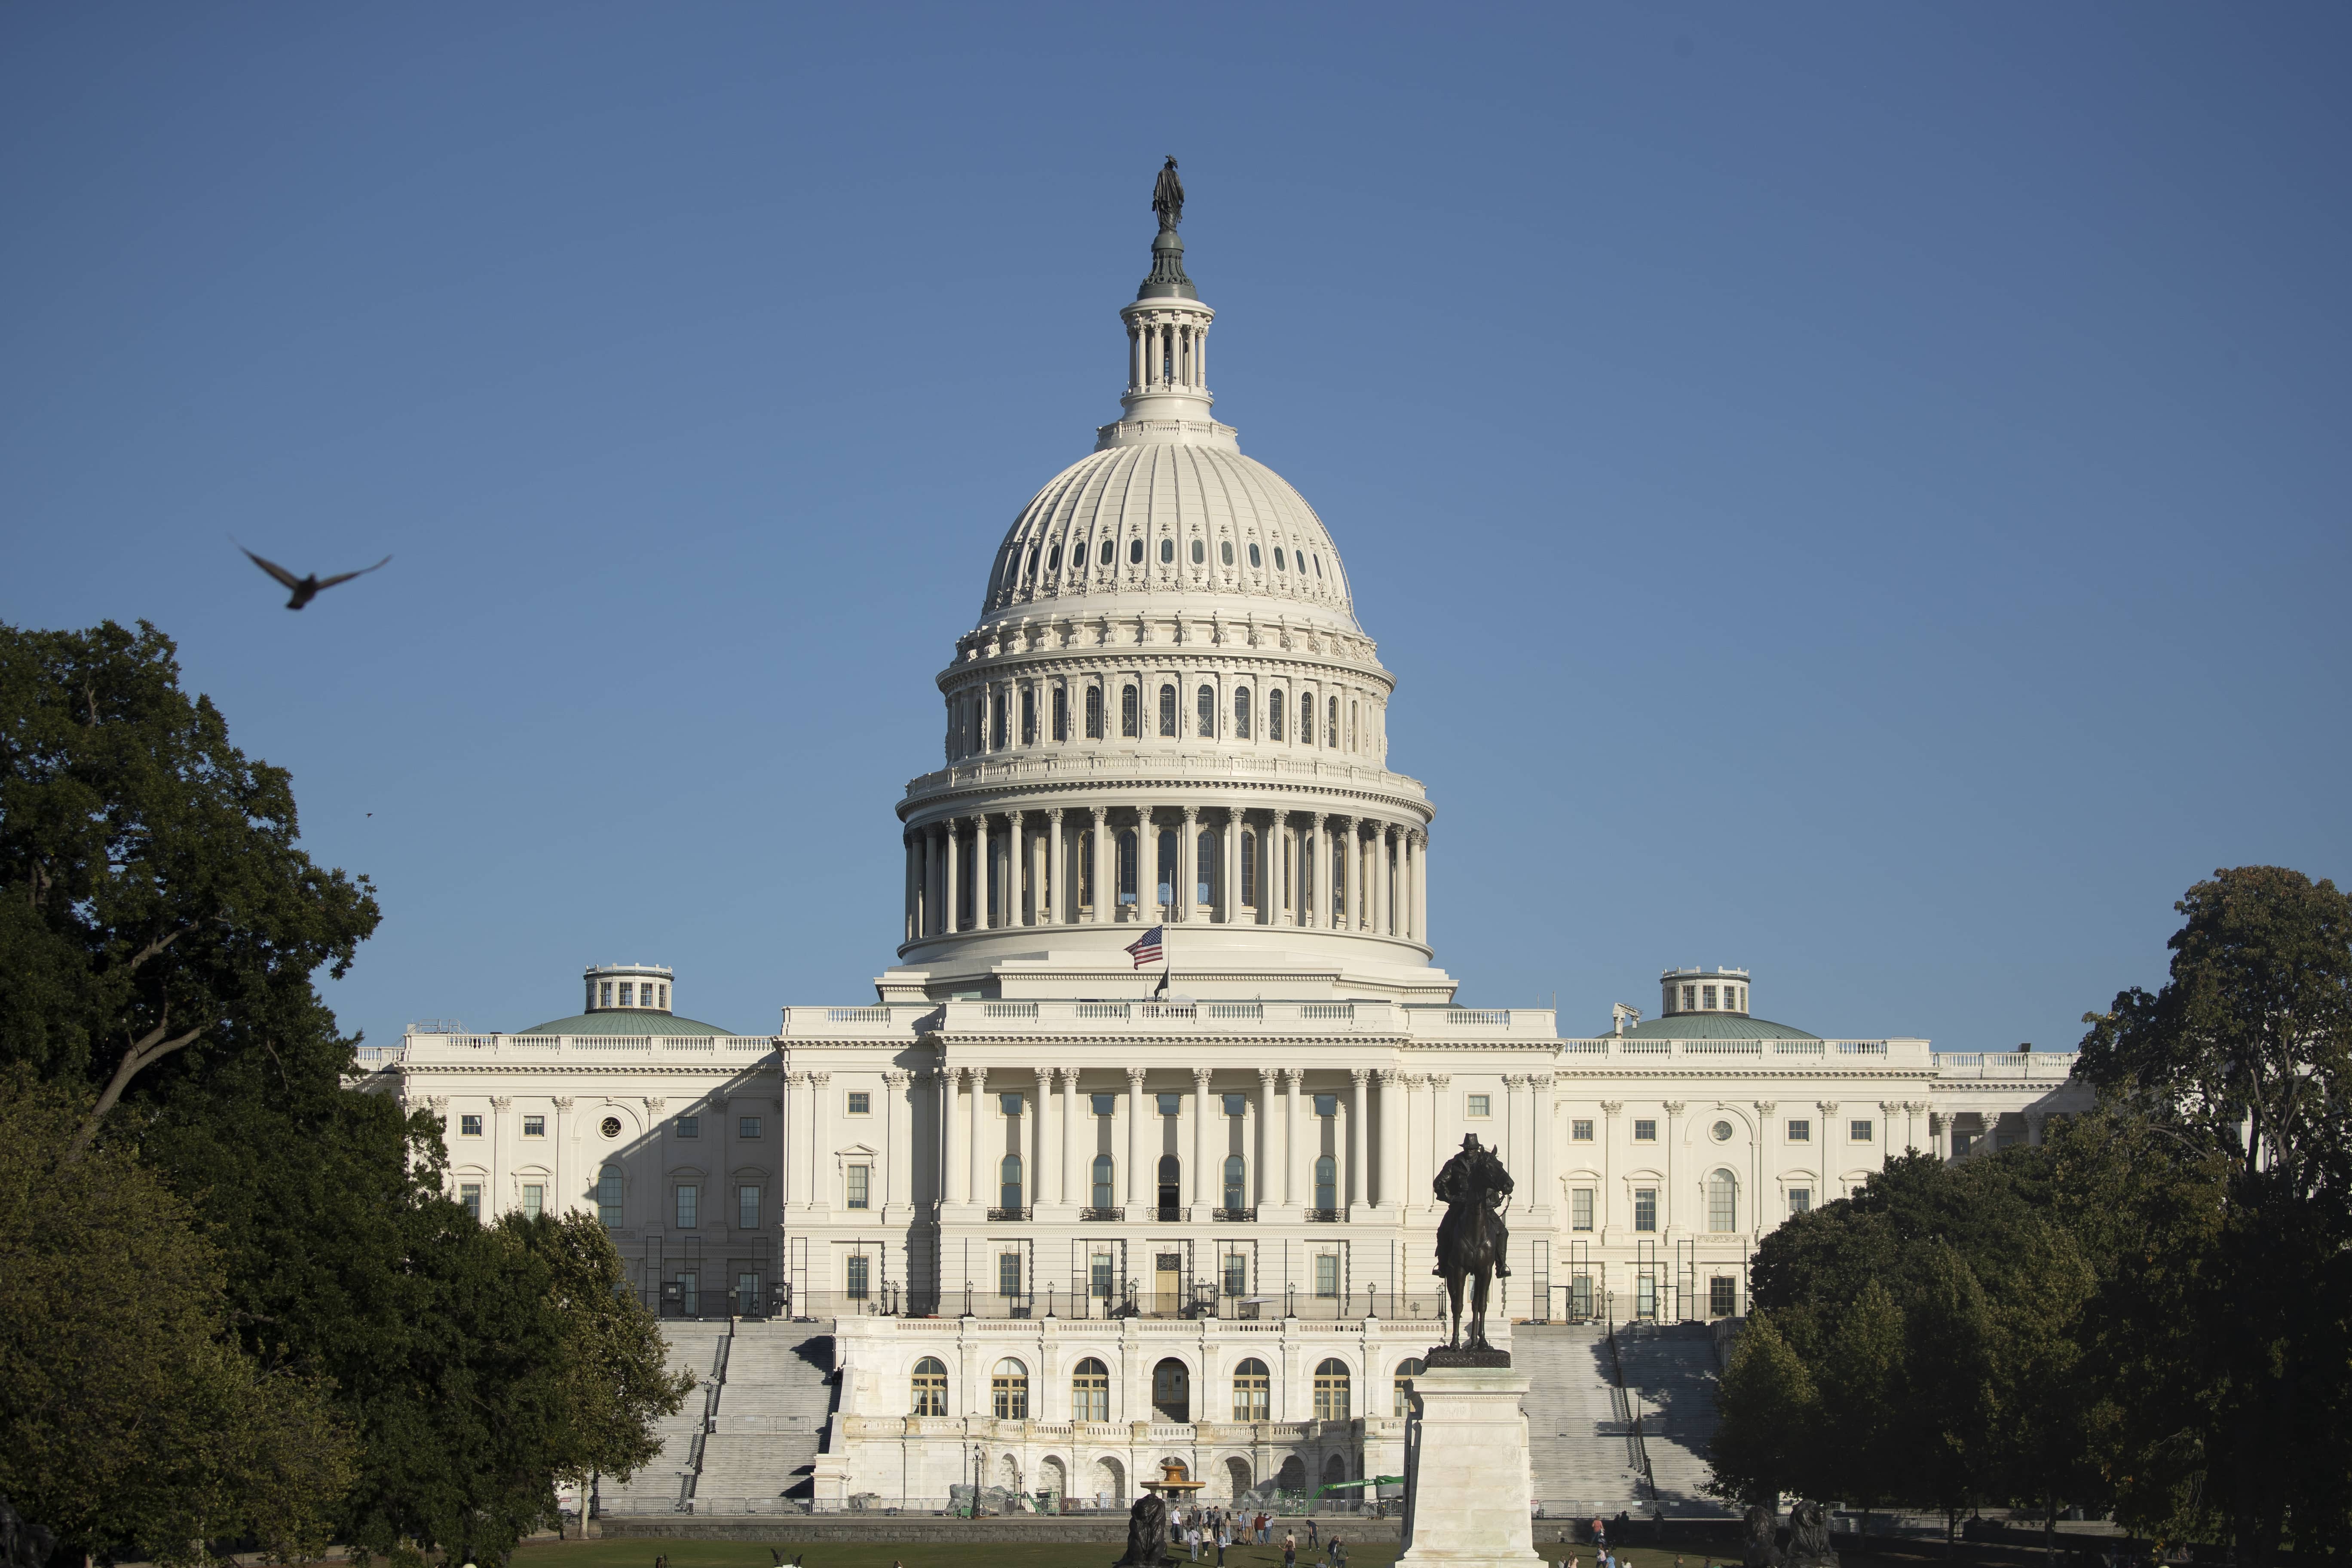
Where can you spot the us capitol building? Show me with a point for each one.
(1064, 1217)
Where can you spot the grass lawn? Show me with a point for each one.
(953, 1554)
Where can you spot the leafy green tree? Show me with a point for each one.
(613, 1381)
(2243, 1059)
(130, 1416)
(1865, 1434)
(1953, 1385)
(1768, 1418)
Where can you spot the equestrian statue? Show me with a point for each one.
(1472, 1243)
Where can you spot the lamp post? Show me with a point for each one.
(977, 1462)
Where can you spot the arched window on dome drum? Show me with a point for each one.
(1000, 706)
(1094, 713)
(1165, 880)
(1128, 720)
(1127, 866)
(1205, 711)
(1200, 551)
(930, 1387)
(1242, 714)
(1331, 725)
(1168, 710)
(1061, 713)
(1108, 546)
(1028, 716)
(1274, 714)
(1722, 1202)
(1353, 731)
(1208, 861)
(1167, 552)
(1103, 1173)
(1249, 869)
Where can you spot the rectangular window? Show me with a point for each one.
(690, 1294)
(534, 1200)
(1582, 1132)
(1801, 1132)
(1645, 1132)
(1645, 1208)
(1008, 1274)
(604, 994)
(1326, 1275)
(1478, 1104)
(1105, 1104)
(1237, 1105)
(687, 1202)
(689, 1126)
(1580, 1209)
(861, 1103)
(859, 1276)
(627, 992)
(1800, 1201)
(1706, 997)
(1690, 998)
(860, 1189)
(1857, 1132)
(608, 1196)
(1327, 1105)
(747, 1293)
(1170, 1104)
(1236, 1281)
(1722, 1296)
(1100, 1275)
(747, 1208)
(470, 1195)
(1009, 1104)
(534, 1126)
(469, 1126)
(747, 1127)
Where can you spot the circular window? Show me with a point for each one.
(1225, 551)
(1277, 558)
(1255, 560)
(1134, 551)
(1198, 553)
(1167, 550)
(610, 1127)
(1722, 1131)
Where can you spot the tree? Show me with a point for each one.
(1768, 1419)
(152, 897)
(130, 1417)
(2244, 1059)
(615, 1383)
(1952, 1384)
(1864, 1432)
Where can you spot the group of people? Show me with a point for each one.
(1207, 1528)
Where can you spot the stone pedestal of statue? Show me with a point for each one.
(1466, 1471)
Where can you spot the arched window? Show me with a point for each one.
(1130, 719)
(1278, 565)
(1054, 559)
(1204, 711)
(1103, 1183)
(1134, 551)
(1168, 710)
(1167, 552)
(930, 1386)
(1127, 866)
(1251, 1392)
(1061, 713)
(1094, 713)
(1722, 1202)
(1028, 716)
(1249, 867)
(1331, 725)
(1030, 568)
(1318, 566)
(1225, 551)
(1003, 718)
(1331, 1389)
(1326, 1182)
(1200, 553)
(1090, 1391)
(1008, 1389)
(608, 1196)
(1233, 1183)
(1256, 559)
(1242, 714)
(1171, 1182)
(1307, 719)
(1405, 1371)
(1107, 548)
(1274, 714)
(1008, 1183)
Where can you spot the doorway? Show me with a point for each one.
(1171, 1391)
(1167, 1283)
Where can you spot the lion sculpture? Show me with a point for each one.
(1760, 1547)
(1808, 1537)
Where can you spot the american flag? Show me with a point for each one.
(1146, 948)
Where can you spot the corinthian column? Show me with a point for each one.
(1230, 884)
(1050, 891)
(1016, 861)
(952, 838)
(957, 1163)
(1104, 874)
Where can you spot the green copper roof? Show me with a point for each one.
(625, 1021)
(1714, 1026)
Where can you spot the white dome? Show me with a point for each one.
(1173, 518)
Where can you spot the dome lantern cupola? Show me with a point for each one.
(1696, 990)
(628, 987)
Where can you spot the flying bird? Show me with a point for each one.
(307, 588)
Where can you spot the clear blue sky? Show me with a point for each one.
(1858, 493)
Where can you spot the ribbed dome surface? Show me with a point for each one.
(1174, 500)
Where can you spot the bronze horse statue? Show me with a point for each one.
(1473, 1243)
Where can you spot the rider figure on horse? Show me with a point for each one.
(1472, 1179)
